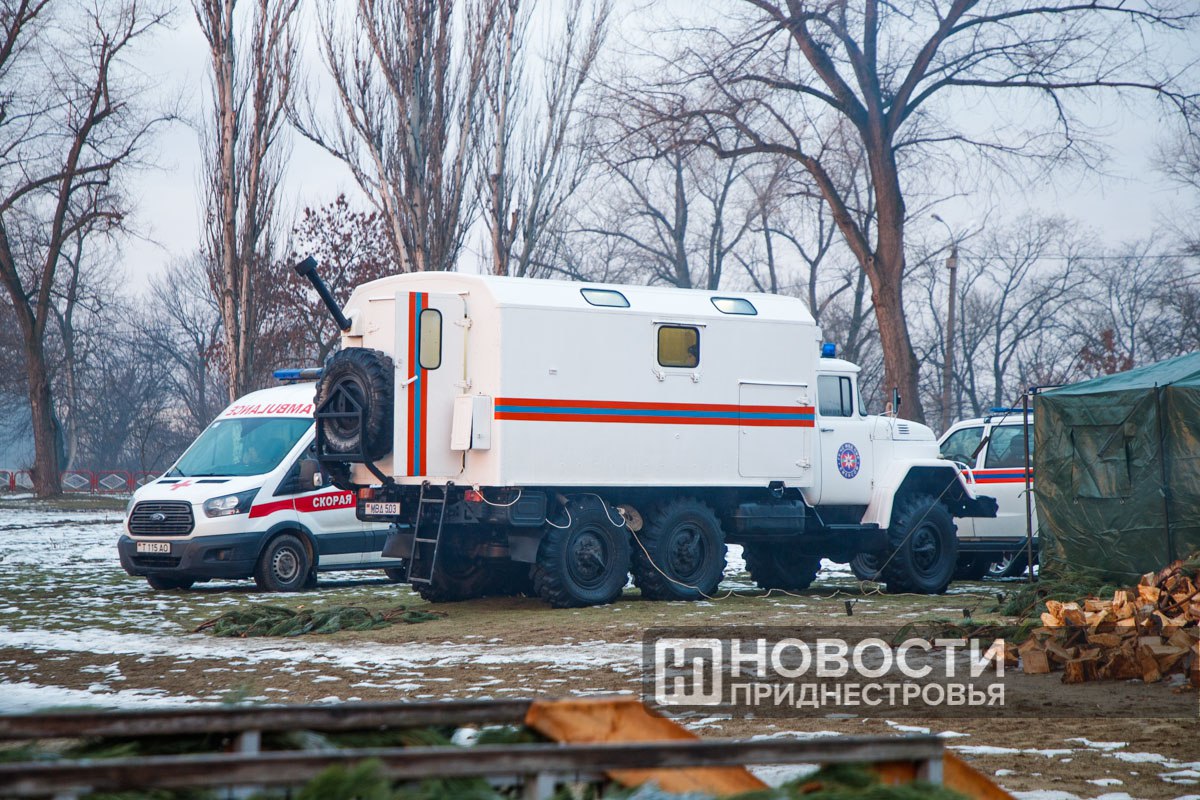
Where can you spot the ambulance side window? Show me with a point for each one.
(431, 338)
(678, 346)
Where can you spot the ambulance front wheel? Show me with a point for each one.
(284, 565)
(585, 562)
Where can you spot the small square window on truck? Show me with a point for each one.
(678, 346)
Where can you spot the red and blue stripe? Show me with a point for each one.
(618, 411)
(418, 390)
(1000, 475)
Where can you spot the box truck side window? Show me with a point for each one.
(836, 396)
(605, 297)
(431, 339)
(246, 446)
(735, 305)
(678, 346)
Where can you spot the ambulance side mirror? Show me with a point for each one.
(310, 475)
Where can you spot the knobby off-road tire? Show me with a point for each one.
(457, 578)
(363, 377)
(586, 563)
(924, 548)
(684, 540)
(284, 565)
(865, 566)
(781, 566)
(166, 583)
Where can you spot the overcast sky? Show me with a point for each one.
(1122, 205)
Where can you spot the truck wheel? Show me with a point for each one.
(584, 564)
(364, 378)
(684, 540)
(972, 567)
(456, 578)
(284, 565)
(925, 548)
(781, 566)
(865, 566)
(166, 583)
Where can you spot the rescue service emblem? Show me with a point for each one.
(848, 460)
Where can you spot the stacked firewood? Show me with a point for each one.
(1148, 632)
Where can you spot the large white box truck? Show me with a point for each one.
(567, 434)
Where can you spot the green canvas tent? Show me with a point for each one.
(1117, 466)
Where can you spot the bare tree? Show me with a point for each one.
(184, 338)
(407, 75)
(245, 163)
(889, 71)
(71, 125)
(537, 158)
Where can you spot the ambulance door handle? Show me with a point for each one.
(407, 382)
(826, 430)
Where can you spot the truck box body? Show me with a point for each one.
(563, 392)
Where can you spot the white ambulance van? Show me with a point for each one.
(248, 499)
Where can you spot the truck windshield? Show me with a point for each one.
(246, 446)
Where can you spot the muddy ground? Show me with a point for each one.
(75, 630)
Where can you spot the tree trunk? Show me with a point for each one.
(47, 478)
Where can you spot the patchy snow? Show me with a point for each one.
(27, 696)
(1106, 746)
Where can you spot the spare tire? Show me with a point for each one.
(357, 378)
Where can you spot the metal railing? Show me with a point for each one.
(536, 767)
(80, 481)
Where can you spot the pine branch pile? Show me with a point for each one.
(280, 621)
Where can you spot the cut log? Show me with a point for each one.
(1149, 665)
(1080, 670)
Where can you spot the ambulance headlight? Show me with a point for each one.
(230, 504)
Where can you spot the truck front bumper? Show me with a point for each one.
(230, 555)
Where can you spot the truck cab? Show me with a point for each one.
(248, 499)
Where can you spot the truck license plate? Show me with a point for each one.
(382, 509)
(154, 547)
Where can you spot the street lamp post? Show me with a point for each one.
(948, 365)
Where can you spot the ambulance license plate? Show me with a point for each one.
(154, 547)
(382, 509)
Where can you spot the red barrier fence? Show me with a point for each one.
(80, 481)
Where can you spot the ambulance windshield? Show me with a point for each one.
(244, 446)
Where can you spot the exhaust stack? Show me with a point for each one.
(308, 269)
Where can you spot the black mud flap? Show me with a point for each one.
(399, 544)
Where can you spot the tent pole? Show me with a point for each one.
(1165, 474)
(1028, 489)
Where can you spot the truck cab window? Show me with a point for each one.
(961, 445)
(836, 396)
(431, 338)
(678, 346)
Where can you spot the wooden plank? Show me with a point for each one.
(595, 720)
(962, 777)
(224, 719)
(414, 763)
